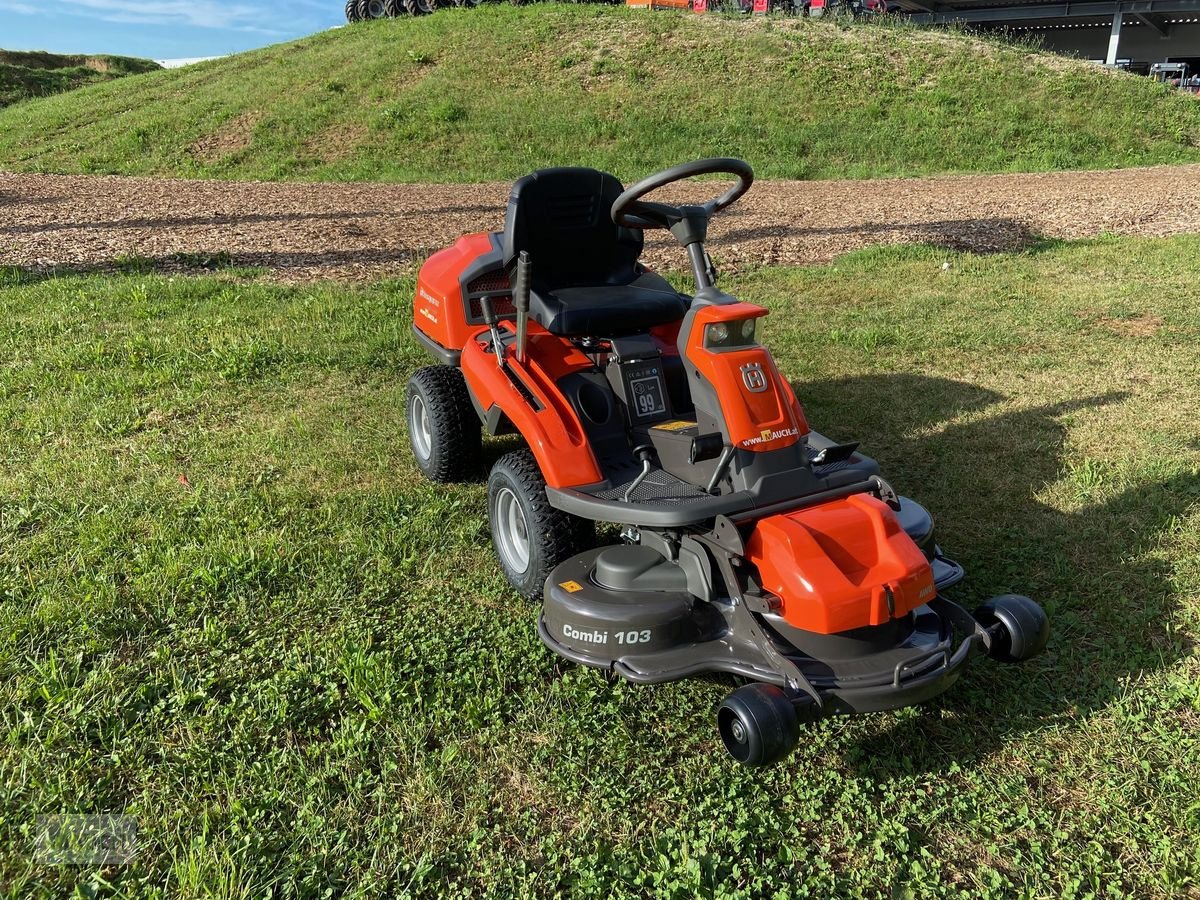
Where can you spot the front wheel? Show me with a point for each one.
(352, 11)
(1019, 627)
(420, 7)
(531, 537)
(758, 724)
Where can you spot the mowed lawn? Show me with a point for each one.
(233, 610)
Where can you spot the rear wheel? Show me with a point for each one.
(1023, 628)
(372, 9)
(442, 426)
(419, 7)
(352, 11)
(758, 724)
(531, 537)
(395, 8)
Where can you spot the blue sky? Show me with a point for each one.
(160, 30)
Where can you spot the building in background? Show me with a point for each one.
(1130, 33)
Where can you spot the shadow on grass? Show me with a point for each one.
(200, 263)
(990, 235)
(1094, 569)
(347, 216)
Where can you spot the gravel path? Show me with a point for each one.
(360, 231)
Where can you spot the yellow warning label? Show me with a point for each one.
(675, 425)
(570, 586)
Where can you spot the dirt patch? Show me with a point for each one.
(1139, 326)
(302, 232)
(337, 142)
(232, 136)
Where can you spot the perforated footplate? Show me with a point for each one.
(659, 486)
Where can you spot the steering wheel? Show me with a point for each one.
(631, 211)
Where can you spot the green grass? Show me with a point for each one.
(233, 610)
(492, 93)
(28, 74)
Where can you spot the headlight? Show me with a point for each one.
(727, 335)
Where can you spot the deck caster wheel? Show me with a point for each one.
(1019, 627)
(531, 537)
(443, 429)
(758, 724)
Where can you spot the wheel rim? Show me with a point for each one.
(376, 9)
(418, 428)
(511, 530)
(734, 734)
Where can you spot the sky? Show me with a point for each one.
(168, 29)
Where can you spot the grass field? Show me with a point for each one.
(28, 74)
(492, 93)
(232, 609)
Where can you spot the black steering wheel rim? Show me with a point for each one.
(630, 211)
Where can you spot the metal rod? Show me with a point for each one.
(489, 317)
(719, 471)
(521, 302)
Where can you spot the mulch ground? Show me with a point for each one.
(302, 231)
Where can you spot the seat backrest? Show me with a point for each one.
(561, 217)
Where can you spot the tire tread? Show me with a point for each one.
(457, 439)
(558, 535)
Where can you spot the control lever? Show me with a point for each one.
(719, 471)
(489, 319)
(642, 452)
(710, 268)
(521, 301)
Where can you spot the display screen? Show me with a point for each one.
(647, 396)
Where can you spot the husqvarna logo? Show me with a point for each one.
(754, 378)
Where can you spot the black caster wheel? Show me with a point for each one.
(1018, 625)
(758, 724)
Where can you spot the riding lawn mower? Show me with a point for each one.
(749, 543)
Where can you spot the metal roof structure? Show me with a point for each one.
(1160, 15)
(1156, 13)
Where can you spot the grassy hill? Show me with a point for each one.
(493, 92)
(28, 74)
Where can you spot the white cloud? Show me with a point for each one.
(201, 13)
(228, 16)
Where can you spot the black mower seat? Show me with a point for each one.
(586, 278)
(610, 310)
